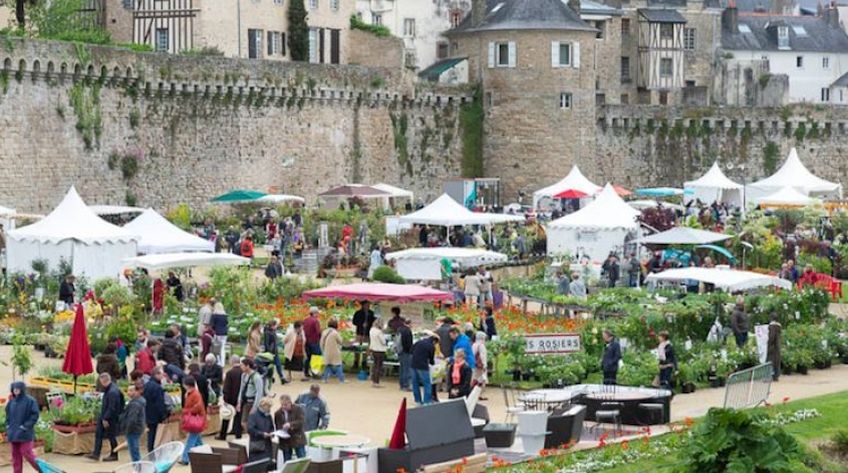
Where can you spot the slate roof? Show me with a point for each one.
(666, 3)
(661, 15)
(436, 69)
(820, 37)
(810, 7)
(590, 7)
(841, 82)
(524, 15)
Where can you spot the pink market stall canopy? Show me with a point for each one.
(374, 292)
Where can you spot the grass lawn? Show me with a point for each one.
(834, 416)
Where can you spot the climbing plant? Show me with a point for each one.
(471, 127)
(84, 98)
(770, 156)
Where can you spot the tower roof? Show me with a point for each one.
(524, 15)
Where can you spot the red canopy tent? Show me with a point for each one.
(375, 292)
(78, 357)
(570, 194)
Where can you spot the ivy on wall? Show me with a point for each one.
(770, 156)
(400, 125)
(471, 129)
(84, 98)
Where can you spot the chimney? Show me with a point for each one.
(574, 5)
(831, 15)
(478, 12)
(730, 18)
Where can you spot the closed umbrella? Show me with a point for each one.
(78, 357)
(398, 440)
(238, 195)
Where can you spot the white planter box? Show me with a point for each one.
(532, 423)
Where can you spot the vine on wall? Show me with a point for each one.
(84, 98)
(471, 127)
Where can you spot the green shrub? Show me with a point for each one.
(741, 441)
(387, 275)
(378, 30)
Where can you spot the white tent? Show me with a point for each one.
(684, 236)
(729, 280)
(72, 232)
(597, 229)
(157, 235)
(447, 212)
(114, 209)
(280, 198)
(425, 263)
(792, 174)
(787, 197)
(574, 180)
(183, 260)
(714, 186)
(394, 192)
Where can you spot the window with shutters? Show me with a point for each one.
(282, 44)
(625, 69)
(313, 4)
(565, 54)
(666, 67)
(825, 94)
(502, 54)
(442, 50)
(376, 19)
(689, 39)
(666, 30)
(334, 5)
(600, 25)
(254, 44)
(782, 37)
(455, 18)
(625, 27)
(825, 62)
(565, 100)
(799, 61)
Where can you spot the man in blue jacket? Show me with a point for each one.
(155, 411)
(108, 424)
(461, 340)
(21, 416)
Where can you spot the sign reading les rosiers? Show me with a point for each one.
(551, 343)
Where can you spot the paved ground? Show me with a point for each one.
(359, 408)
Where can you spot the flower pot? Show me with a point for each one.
(802, 369)
(532, 423)
(715, 382)
(688, 388)
(820, 365)
(499, 435)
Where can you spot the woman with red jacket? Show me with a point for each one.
(193, 407)
(247, 247)
(145, 360)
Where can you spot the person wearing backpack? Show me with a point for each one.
(109, 421)
(133, 421)
(252, 389)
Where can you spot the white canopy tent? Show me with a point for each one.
(714, 186)
(114, 209)
(395, 193)
(794, 174)
(726, 279)
(597, 229)
(280, 199)
(72, 232)
(684, 236)
(183, 260)
(787, 197)
(157, 235)
(425, 263)
(447, 212)
(574, 180)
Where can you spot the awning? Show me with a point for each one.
(659, 191)
(729, 280)
(238, 196)
(374, 292)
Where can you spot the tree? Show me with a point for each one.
(298, 31)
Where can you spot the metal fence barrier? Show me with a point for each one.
(748, 388)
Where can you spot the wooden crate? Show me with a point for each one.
(472, 464)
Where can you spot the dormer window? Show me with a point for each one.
(799, 30)
(782, 37)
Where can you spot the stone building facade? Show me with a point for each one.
(194, 126)
(252, 29)
(539, 87)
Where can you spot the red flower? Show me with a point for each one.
(786, 399)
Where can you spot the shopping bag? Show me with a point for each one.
(316, 363)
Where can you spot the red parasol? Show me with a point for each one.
(571, 194)
(398, 440)
(78, 358)
(622, 192)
